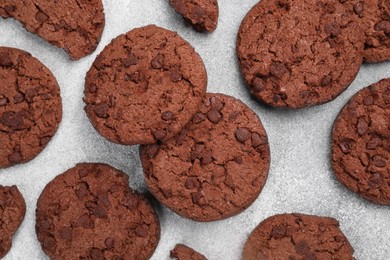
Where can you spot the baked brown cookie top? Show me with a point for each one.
(30, 106)
(298, 53)
(216, 167)
(201, 14)
(361, 143)
(297, 236)
(375, 19)
(144, 86)
(12, 211)
(183, 252)
(75, 26)
(90, 212)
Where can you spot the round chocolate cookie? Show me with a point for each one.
(361, 143)
(375, 19)
(297, 236)
(298, 53)
(144, 86)
(73, 25)
(12, 211)
(30, 106)
(216, 167)
(90, 212)
(201, 14)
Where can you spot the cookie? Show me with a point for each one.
(297, 236)
(361, 143)
(75, 26)
(374, 16)
(202, 15)
(144, 86)
(12, 211)
(90, 212)
(30, 106)
(216, 167)
(299, 53)
(183, 252)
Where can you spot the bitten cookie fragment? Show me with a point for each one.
(30, 106)
(297, 236)
(298, 53)
(144, 86)
(217, 165)
(361, 143)
(12, 211)
(201, 14)
(183, 252)
(374, 16)
(73, 25)
(90, 212)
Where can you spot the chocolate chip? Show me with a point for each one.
(369, 100)
(197, 151)
(101, 110)
(5, 60)
(198, 118)
(257, 140)
(214, 116)
(278, 232)
(141, 231)
(3, 101)
(238, 160)
(167, 115)
(157, 62)
(322, 227)
(49, 242)
(82, 190)
(242, 134)
(152, 150)
(346, 145)
(196, 197)
(375, 180)
(373, 143)
(97, 254)
(198, 13)
(276, 98)
(379, 161)
(278, 69)
(85, 222)
(206, 158)
(326, 80)
(131, 201)
(302, 247)
(41, 17)
(258, 84)
(159, 134)
(13, 120)
(167, 193)
(182, 136)
(18, 98)
(15, 157)
(83, 172)
(109, 242)
(175, 76)
(362, 126)
(216, 104)
(358, 9)
(9, 8)
(44, 140)
(383, 26)
(130, 61)
(66, 233)
(192, 183)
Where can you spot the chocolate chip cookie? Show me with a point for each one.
(90, 212)
(12, 211)
(361, 143)
(298, 53)
(144, 86)
(217, 165)
(183, 252)
(201, 14)
(75, 26)
(374, 16)
(30, 106)
(297, 236)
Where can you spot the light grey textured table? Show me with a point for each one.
(300, 178)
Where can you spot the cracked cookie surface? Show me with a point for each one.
(90, 212)
(201, 14)
(297, 236)
(183, 252)
(73, 25)
(216, 167)
(298, 53)
(30, 106)
(374, 16)
(144, 86)
(361, 143)
(12, 211)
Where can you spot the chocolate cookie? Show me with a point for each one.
(75, 26)
(375, 19)
(144, 86)
(30, 106)
(201, 14)
(298, 53)
(183, 252)
(297, 236)
(90, 212)
(361, 143)
(12, 211)
(216, 167)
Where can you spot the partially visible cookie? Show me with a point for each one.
(216, 167)
(183, 252)
(144, 86)
(374, 16)
(12, 211)
(30, 106)
(361, 143)
(298, 53)
(297, 236)
(90, 212)
(201, 14)
(73, 25)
